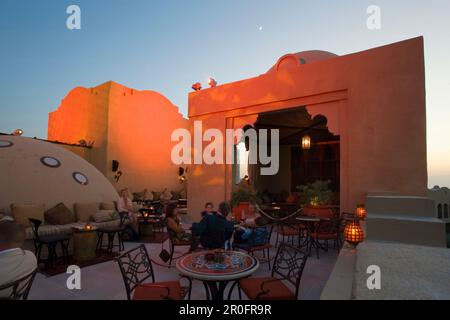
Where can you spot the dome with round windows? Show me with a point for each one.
(39, 172)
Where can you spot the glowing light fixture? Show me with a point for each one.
(212, 82)
(18, 132)
(306, 142)
(197, 86)
(361, 212)
(353, 233)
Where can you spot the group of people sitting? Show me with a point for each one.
(216, 228)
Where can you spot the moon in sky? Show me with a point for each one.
(260, 28)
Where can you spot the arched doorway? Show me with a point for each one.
(298, 165)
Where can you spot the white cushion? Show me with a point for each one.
(103, 215)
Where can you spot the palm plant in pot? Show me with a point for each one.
(243, 199)
(317, 197)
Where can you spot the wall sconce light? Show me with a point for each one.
(182, 174)
(18, 132)
(212, 82)
(117, 176)
(306, 142)
(361, 212)
(353, 233)
(197, 86)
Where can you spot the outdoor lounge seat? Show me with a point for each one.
(251, 246)
(51, 242)
(287, 268)
(288, 232)
(19, 289)
(276, 290)
(327, 231)
(170, 290)
(111, 233)
(136, 267)
(174, 242)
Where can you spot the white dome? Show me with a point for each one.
(39, 172)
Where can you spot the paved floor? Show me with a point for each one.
(104, 281)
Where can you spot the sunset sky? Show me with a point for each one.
(166, 46)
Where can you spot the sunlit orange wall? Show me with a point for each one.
(380, 98)
(131, 126)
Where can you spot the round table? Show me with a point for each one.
(84, 244)
(310, 224)
(216, 275)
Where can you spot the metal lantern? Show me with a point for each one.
(353, 232)
(361, 212)
(306, 142)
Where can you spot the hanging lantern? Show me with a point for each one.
(306, 142)
(353, 233)
(361, 212)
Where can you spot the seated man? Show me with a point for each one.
(15, 263)
(214, 229)
(208, 209)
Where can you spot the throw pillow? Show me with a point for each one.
(22, 212)
(103, 215)
(59, 215)
(85, 211)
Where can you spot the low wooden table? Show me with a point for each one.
(84, 244)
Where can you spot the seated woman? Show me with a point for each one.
(214, 229)
(174, 226)
(125, 205)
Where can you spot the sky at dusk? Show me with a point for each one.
(166, 46)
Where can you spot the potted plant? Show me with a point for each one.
(317, 198)
(243, 199)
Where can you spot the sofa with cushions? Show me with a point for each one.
(60, 219)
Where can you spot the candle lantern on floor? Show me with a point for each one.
(353, 233)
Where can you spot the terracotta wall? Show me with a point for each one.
(376, 96)
(83, 115)
(139, 137)
(130, 126)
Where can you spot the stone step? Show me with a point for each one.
(407, 206)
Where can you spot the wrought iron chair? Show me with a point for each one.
(51, 241)
(136, 267)
(287, 231)
(253, 246)
(325, 231)
(111, 232)
(288, 267)
(20, 288)
(174, 242)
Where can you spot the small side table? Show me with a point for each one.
(84, 244)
